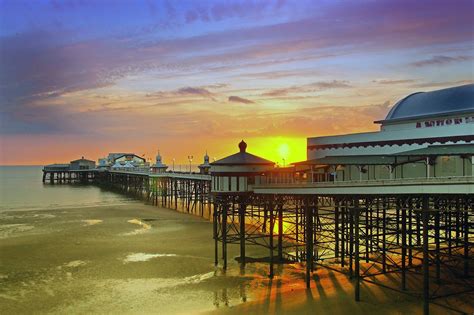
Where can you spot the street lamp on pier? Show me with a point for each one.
(173, 164)
(190, 159)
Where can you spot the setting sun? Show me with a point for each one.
(284, 150)
(281, 150)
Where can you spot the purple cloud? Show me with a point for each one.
(193, 91)
(308, 88)
(440, 60)
(37, 65)
(238, 99)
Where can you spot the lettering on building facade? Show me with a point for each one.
(445, 122)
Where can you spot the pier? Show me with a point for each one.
(424, 240)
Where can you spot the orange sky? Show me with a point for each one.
(184, 77)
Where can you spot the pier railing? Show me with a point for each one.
(371, 182)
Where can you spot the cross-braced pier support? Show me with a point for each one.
(426, 241)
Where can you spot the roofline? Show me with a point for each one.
(341, 135)
(118, 157)
(262, 163)
(82, 160)
(467, 138)
(312, 161)
(395, 107)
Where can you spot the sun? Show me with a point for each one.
(281, 150)
(284, 151)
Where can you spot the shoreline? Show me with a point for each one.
(66, 207)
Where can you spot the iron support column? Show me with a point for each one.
(466, 242)
(216, 243)
(356, 263)
(309, 243)
(280, 233)
(224, 234)
(426, 272)
(242, 208)
(270, 212)
(404, 247)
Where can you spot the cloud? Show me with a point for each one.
(308, 88)
(281, 92)
(275, 74)
(194, 91)
(238, 99)
(334, 84)
(443, 84)
(184, 92)
(389, 82)
(440, 60)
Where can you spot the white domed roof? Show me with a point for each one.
(454, 100)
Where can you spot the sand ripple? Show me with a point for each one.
(8, 230)
(199, 278)
(144, 257)
(91, 222)
(75, 263)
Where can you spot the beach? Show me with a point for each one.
(140, 259)
(125, 259)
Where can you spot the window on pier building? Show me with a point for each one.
(449, 166)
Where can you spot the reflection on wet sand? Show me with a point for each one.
(91, 222)
(144, 257)
(144, 227)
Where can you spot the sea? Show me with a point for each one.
(21, 188)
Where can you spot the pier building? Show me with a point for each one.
(158, 167)
(426, 134)
(82, 164)
(205, 166)
(129, 160)
(238, 172)
(80, 170)
(421, 119)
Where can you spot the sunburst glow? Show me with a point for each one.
(281, 150)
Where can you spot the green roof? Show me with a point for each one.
(351, 160)
(432, 150)
(453, 149)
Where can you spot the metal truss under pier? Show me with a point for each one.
(179, 191)
(68, 176)
(416, 238)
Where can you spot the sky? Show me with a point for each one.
(85, 78)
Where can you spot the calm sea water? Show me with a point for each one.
(21, 188)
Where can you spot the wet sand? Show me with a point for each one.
(139, 259)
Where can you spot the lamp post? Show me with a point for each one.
(173, 164)
(190, 159)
